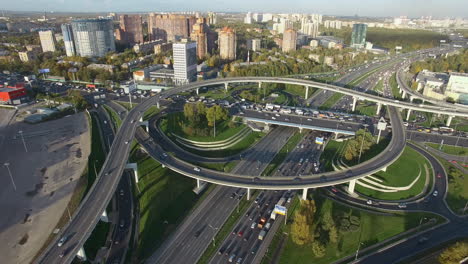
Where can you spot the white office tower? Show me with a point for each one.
(185, 62)
(93, 37)
(317, 18)
(68, 40)
(248, 18)
(267, 17)
(257, 17)
(310, 29)
(283, 25)
(47, 40)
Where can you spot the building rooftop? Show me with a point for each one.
(7, 90)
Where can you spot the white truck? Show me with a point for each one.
(261, 235)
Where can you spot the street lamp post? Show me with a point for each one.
(362, 142)
(6, 164)
(22, 138)
(214, 228)
(420, 222)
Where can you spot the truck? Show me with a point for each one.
(261, 223)
(261, 235)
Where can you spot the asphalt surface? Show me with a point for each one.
(84, 221)
(192, 237)
(243, 241)
(122, 227)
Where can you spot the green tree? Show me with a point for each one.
(333, 234)
(318, 248)
(454, 254)
(300, 230)
(216, 113)
(362, 139)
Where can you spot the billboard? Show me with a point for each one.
(319, 140)
(44, 70)
(280, 209)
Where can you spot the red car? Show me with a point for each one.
(240, 233)
(439, 175)
(454, 161)
(334, 190)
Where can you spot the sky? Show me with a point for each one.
(376, 8)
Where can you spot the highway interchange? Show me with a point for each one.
(88, 214)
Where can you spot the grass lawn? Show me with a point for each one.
(331, 151)
(226, 167)
(373, 228)
(171, 123)
(297, 90)
(281, 155)
(452, 150)
(372, 152)
(366, 108)
(164, 198)
(244, 144)
(401, 173)
(281, 99)
(97, 155)
(150, 112)
(457, 195)
(379, 86)
(394, 86)
(330, 102)
(216, 94)
(97, 239)
(115, 119)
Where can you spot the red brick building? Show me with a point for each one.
(131, 29)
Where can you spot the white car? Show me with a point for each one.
(253, 225)
(196, 169)
(369, 202)
(435, 193)
(62, 241)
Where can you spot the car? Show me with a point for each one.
(233, 195)
(253, 225)
(435, 193)
(121, 192)
(277, 115)
(254, 249)
(164, 154)
(422, 240)
(439, 175)
(401, 205)
(333, 189)
(126, 142)
(122, 223)
(221, 250)
(62, 241)
(273, 118)
(232, 257)
(239, 261)
(62, 254)
(240, 233)
(369, 202)
(196, 169)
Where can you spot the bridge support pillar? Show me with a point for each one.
(226, 86)
(404, 94)
(198, 91)
(157, 104)
(449, 120)
(336, 135)
(300, 130)
(134, 167)
(408, 115)
(354, 104)
(145, 124)
(259, 85)
(351, 186)
(81, 254)
(104, 217)
(411, 98)
(379, 107)
(307, 92)
(248, 194)
(384, 169)
(304, 194)
(198, 183)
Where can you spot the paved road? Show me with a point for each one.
(247, 245)
(192, 237)
(89, 211)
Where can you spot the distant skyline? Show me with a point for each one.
(375, 8)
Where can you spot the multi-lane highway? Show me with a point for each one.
(191, 238)
(99, 196)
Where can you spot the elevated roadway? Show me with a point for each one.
(87, 215)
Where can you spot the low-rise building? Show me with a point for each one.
(147, 47)
(96, 66)
(27, 56)
(442, 86)
(10, 95)
(163, 47)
